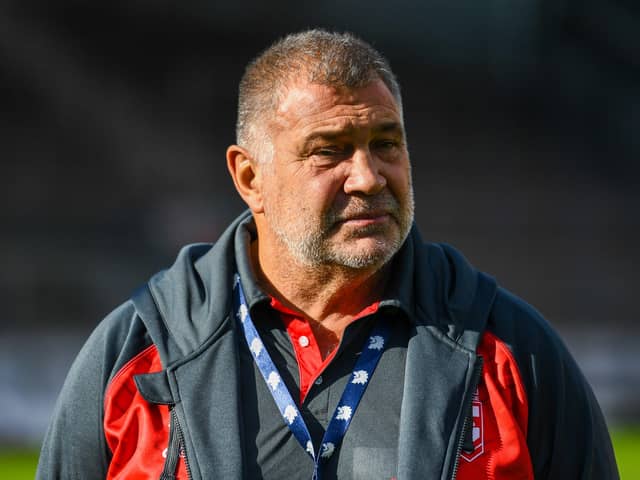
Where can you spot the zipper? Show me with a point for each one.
(182, 444)
(475, 379)
(176, 446)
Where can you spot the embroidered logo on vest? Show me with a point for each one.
(477, 431)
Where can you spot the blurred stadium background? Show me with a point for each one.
(523, 120)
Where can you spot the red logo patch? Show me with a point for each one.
(477, 431)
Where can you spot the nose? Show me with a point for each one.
(364, 174)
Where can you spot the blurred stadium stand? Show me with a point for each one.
(522, 117)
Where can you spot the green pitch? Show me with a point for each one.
(21, 464)
(18, 464)
(626, 443)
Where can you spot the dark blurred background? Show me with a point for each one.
(522, 119)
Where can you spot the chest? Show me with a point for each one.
(369, 446)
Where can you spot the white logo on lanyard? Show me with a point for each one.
(290, 413)
(327, 450)
(273, 380)
(360, 377)
(344, 413)
(242, 313)
(256, 346)
(376, 342)
(309, 448)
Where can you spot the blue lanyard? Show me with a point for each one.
(348, 403)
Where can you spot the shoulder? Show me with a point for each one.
(118, 338)
(523, 327)
(567, 434)
(546, 365)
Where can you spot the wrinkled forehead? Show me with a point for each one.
(304, 102)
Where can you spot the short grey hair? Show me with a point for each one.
(326, 58)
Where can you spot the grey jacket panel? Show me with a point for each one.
(74, 446)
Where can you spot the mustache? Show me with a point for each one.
(383, 203)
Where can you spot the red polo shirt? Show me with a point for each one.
(310, 359)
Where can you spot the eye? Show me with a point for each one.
(385, 144)
(330, 154)
(328, 151)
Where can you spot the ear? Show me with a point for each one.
(245, 173)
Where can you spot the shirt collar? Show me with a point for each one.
(399, 292)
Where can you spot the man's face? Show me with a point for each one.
(338, 189)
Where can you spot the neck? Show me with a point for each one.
(328, 296)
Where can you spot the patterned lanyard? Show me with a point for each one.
(348, 403)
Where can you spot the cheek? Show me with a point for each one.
(399, 179)
(321, 191)
(299, 199)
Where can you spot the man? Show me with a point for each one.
(320, 337)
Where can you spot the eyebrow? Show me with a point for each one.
(392, 126)
(383, 127)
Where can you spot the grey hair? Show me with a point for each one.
(326, 58)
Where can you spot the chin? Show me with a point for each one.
(372, 256)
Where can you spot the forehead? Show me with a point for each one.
(305, 107)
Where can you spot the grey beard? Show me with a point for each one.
(311, 249)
